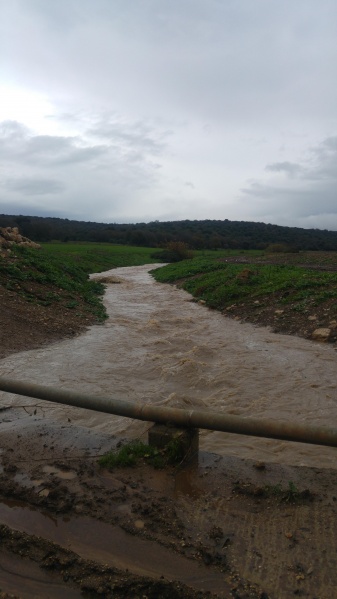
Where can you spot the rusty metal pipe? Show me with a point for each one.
(317, 435)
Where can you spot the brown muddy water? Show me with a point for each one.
(110, 545)
(160, 347)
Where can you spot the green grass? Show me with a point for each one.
(96, 257)
(221, 284)
(132, 453)
(290, 494)
(129, 455)
(59, 272)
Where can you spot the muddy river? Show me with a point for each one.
(160, 347)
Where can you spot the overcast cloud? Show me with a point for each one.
(138, 110)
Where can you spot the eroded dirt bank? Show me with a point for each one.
(226, 527)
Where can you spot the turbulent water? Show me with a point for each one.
(159, 347)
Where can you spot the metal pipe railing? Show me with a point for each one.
(317, 435)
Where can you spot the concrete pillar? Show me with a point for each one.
(160, 435)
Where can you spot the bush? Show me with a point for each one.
(281, 248)
(175, 251)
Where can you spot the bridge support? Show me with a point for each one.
(161, 435)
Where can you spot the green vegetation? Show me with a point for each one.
(220, 284)
(175, 251)
(96, 257)
(58, 273)
(132, 453)
(291, 494)
(196, 234)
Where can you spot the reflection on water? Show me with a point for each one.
(161, 348)
(64, 474)
(110, 545)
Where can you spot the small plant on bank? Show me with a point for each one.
(132, 453)
(175, 452)
(128, 455)
(289, 495)
(292, 494)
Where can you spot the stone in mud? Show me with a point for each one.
(321, 334)
(109, 280)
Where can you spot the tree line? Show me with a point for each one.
(196, 234)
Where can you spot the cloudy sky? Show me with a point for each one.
(142, 110)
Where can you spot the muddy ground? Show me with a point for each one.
(222, 527)
(281, 317)
(219, 527)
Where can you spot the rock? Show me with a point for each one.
(279, 312)
(312, 317)
(108, 280)
(321, 334)
(260, 465)
(10, 236)
(245, 275)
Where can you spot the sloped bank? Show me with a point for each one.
(293, 294)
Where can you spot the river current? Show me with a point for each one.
(160, 347)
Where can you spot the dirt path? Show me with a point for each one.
(225, 527)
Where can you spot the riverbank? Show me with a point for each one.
(292, 294)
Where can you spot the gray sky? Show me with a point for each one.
(142, 110)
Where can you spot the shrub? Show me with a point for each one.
(175, 251)
(281, 248)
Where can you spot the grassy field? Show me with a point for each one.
(96, 257)
(220, 284)
(58, 273)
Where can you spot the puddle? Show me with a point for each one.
(107, 544)
(23, 578)
(23, 479)
(63, 474)
(185, 483)
(124, 507)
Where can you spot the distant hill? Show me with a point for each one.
(198, 234)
